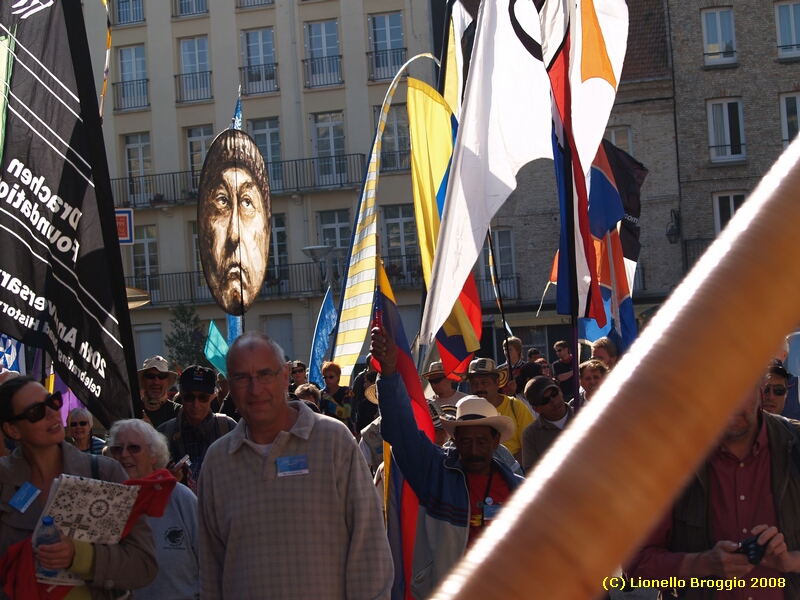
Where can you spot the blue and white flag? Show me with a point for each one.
(326, 322)
(13, 357)
(236, 121)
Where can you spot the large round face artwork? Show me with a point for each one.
(234, 215)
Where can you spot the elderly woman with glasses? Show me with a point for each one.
(79, 429)
(140, 450)
(337, 401)
(30, 416)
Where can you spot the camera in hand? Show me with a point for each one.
(752, 550)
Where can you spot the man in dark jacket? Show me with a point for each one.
(749, 486)
(460, 489)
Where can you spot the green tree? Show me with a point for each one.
(187, 340)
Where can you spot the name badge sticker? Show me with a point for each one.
(490, 511)
(292, 465)
(24, 497)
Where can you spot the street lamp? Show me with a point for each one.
(674, 226)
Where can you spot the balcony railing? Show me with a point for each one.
(509, 287)
(131, 94)
(395, 161)
(170, 288)
(124, 12)
(259, 79)
(693, 250)
(186, 8)
(404, 271)
(288, 176)
(193, 87)
(384, 64)
(249, 3)
(323, 71)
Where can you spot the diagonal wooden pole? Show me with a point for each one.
(611, 475)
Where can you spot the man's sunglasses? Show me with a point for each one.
(152, 376)
(778, 390)
(36, 412)
(79, 424)
(436, 380)
(298, 371)
(187, 397)
(548, 395)
(118, 450)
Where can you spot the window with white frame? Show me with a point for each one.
(726, 129)
(258, 58)
(133, 78)
(401, 251)
(323, 61)
(620, 137)
(719, 41)
(789, 122)
(266, 133)
(138, 167)
(386, 45)
(396, 143)
(278, 264)
(145, 258)
(503, 245)
(195, 78)
(725, 204)
(787, 25)
(200, 284)
(129, 11)
(198, 140)
(330, 164)
(334, 228)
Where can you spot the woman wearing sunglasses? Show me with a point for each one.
(30, 416)
(140, 450)
(79, 430)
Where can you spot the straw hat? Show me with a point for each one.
(437, 370)
(474, 410)
(486, 366)
(371, 393)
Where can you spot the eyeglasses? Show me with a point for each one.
(547, 397)
(296, 371)
(36, 412)
(264, 377)
(152, 376)
(198, 397)
(436, 380)
(131, 448)
(778, 390)
(79, 424)
(331, 376)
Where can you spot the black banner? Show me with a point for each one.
(61, 280)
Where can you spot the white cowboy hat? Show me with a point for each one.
(474, 410)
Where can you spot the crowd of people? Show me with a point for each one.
(278, 473)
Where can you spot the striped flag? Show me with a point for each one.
(401, 502)
(583, 47)
(433, 128)
(355, 307)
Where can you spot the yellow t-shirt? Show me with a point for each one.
(522, 417)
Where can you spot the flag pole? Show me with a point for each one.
(569, 191)
(498, 294)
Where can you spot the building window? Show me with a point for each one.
(198, 141)
(128, 11)
(277, 278)
(138, 168)
(725, 204)
(149, 341)
(185, 8)
(266, 133)
(201, 291)
(334, 228)
(620, 137)
(726, 130)
(330, 164)
(323, 64)
(789, 124)
(387, 51)
(395, 144)
(145, 260)
(503, 243)
(401, 251)
(194, 82)
(719, 41)
(131, 91)
(258, 57)
(787, 16)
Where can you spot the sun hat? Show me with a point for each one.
(474, 410)
(486, 366)
(159, 363)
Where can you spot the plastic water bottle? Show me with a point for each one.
(48, 534)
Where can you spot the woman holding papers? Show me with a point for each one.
(140, 450)
(30, 415)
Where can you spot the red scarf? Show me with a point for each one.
(17, 567)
